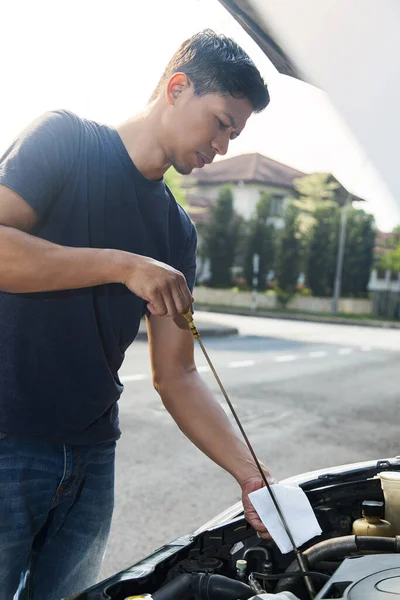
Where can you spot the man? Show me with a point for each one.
(91, 240)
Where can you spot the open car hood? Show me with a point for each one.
(210, 553)
(349, 49)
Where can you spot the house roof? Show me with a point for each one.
(254, 168)
(342, 193)
(246, 168)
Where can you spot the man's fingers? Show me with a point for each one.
(157, 306)
(251, 516)
(264, 536)
(255, 521)
(170, 303)
(151, 309)
(171, 298)
(186, 296)
(180, 300)
(177, 297)
(160, 285)
(258, 525)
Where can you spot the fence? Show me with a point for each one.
(386, 304)
(238, 299)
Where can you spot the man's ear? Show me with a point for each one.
(177, 83)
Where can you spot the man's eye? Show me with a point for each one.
(221, 124)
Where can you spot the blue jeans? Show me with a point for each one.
(56, 504)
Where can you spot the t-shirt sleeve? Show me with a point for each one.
(188, 262)
(39, 162)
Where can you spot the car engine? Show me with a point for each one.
(375, 577)
(225, 560)
(359, 577)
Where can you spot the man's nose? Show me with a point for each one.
(221, 144)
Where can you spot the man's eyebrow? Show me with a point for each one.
(231, 119)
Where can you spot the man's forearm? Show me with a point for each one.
(30, 264)
(204, 422)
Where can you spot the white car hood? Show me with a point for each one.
(349, 49)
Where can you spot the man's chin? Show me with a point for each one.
(183, 169)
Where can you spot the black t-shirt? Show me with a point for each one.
(60, 352)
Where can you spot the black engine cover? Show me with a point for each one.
(371, 577)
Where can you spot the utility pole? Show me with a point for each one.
(340, 255)
(342, 242)
(256, 267)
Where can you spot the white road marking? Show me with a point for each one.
(241, 363)
(285, 358)
(137, 377)
(317, 354)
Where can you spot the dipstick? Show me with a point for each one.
(300, 558)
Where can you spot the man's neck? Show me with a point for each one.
(140, 137)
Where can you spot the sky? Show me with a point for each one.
(102, 59)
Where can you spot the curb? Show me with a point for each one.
(205, 329)
(300, 317)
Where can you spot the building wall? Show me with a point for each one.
(246, 197)
(388, 283)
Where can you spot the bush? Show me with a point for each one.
(303, 290)
(284, 296)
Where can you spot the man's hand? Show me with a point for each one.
(253, 483)
(163, 288)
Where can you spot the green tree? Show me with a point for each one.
(319, 199)
(289, 256)
(313, 191)
(260, 239)
(317, 187)
(322, 249)
(396, 234)
(174, 181)
(221, 238)
(359, 253)
(391, 260)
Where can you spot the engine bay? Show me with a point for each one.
(228, 561)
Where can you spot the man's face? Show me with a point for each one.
(195, 128)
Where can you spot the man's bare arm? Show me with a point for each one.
(189, 400)
(196, 412)
(30, 264)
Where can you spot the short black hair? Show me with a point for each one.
(216, 64)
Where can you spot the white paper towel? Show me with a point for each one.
(296, 509)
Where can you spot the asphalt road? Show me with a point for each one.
(309, 395)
